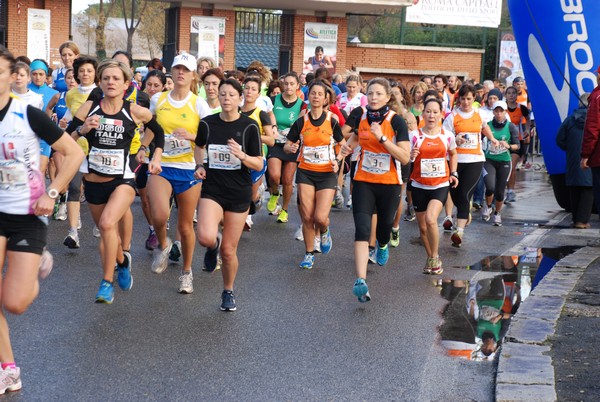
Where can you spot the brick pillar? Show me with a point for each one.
(16, 40)
(60, 30)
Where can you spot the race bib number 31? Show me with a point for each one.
(219, 157)
(175, 147)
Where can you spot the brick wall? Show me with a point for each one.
(17, 25)
(185, 23)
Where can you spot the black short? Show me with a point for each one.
(405, 171)
(228, 204)
(319, 180)
(141, 176)
(421, 197)
(276, 151)
(99, 193)
(353, 168)
(25, 233)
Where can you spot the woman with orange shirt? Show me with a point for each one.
(315, 135)
(383, 138)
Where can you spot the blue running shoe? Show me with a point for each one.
(124, 277)
(326, 242)
(228, 301)
(383, 254)
(105, 294)
(361, 290)
(211, 256)
(308, 261)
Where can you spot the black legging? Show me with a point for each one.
(468, 176)
(496, 178)
(370, 198)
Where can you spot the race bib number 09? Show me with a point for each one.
(219, 157)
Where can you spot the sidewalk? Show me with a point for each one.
(550, 352)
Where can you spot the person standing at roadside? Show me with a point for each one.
(590, 146)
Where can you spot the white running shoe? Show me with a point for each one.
(486, 212)
(299, 235)
(10, 380)
(61, 214)
(160, 259)
(317, 244)
(96, 231)
(186, 284)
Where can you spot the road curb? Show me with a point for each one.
(525, 370)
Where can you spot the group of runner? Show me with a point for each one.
(211, 145)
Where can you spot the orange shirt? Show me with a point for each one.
(318, 144)
(375, 164)
(431, 168)
(471, 130)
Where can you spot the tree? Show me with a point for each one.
(130, 21)
(152, 29)
(100, 25)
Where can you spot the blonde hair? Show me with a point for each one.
(111, 63)
(69, 45)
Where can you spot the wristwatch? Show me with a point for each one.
(455, 174)
(383, 139)
(53, 193)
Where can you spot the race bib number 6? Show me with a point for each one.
(316, 155)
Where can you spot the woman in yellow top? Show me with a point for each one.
(178, 112)
(315, 135)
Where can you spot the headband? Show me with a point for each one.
(38, 65)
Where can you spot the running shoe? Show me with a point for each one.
(96, 232)
(211, 256)
(477, 205)
(448, 225)
(79, 222)
(326, 242)
(283, 216)
(395, 238)
(10, 380)
(349, 202)
(61, 213)
(372, 255)
(338, 199)
(248, 224)
(272, 204)
(510, 196)
(186, 284)
(383, 255)
(361, 290)
(228, 301)
(428, 265)
(72, 240)
(299, 235)
(160, 258)
(317, 244)
(308, 261)
(436, 266)
(486, 212)
(106, 293)
(151, 241)
(46, 264)
(497, 220)
(175, 252)
(124, 278)
(456, 238)
(195, 216)
(410, 215)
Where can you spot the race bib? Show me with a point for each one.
(470, 141)
(107, 161)
(435, 167)
(316, 155)
(13, 175)
(219, 157)
(376, 163)
(488, 313)
(175, 147)
(496, 149)
(282, 136)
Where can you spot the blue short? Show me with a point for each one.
(181, 179)
(257, 174)
(45, 148)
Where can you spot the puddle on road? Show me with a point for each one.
(478, 312)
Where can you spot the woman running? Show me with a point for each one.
(498, 161)
(210, 83)
(467, 125)
(315, 136)
(179, 113)
(287, 108)
(69, 51)
(228, 148)
(109, 126)
(431, 178)
(383, 138)
(521, 117)
(24, 204)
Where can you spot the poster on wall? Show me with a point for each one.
(509, 61)
(207, 37)
(473, 13)
(38, 34)
(320, 46)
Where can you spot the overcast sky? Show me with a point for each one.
(81, 5)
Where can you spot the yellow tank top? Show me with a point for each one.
(177, 153)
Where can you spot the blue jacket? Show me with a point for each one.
(569, 138)
(46, 92)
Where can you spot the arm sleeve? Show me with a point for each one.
(400, 128)
(264, 118)
(591, 129)
(142, 99)
(73, 125)
(202, 107)
(449, 124)
(96, 94)
(337, 131)
(524, 111)
(514, 134)
(153, 102)
(159, 134)
(354, 119)
(294, 133)
(43, 126)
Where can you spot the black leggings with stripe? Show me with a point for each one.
(468, 176)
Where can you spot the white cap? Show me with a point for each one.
(186, 60)
(500, 104)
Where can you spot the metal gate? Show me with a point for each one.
(263, 36)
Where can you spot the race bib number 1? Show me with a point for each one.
(219, 157)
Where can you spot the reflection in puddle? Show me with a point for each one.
(479, 311)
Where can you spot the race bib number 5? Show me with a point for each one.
(375, 163)
(219, 157)
(435, 167)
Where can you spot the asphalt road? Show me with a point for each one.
(297, 335)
